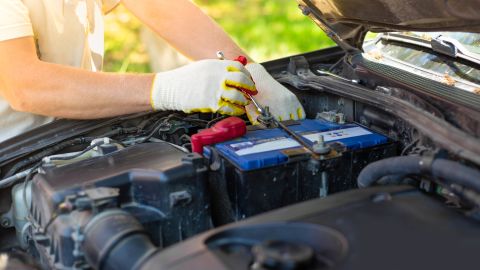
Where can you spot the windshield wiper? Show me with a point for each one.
(453, 48)
(440, 44)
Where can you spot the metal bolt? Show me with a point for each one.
(321, 140)
(267, 111)
(266, 117)
(5, 222)
(364, 121)
(320, 147)
(220, 55)
(341, 118)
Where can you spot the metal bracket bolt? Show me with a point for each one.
(320, 147)
(266, 118)
(5, 222)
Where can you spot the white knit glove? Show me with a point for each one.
(203, 86)
(283, 104)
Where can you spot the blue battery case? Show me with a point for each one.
(263, 148)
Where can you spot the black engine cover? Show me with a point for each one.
(161, 186)
(376, 228)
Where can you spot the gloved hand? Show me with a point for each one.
(203, 86)
(283, 104)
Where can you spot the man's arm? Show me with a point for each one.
(30, 85)
(197, 36)
(184, 26)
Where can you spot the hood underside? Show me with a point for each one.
(350, 20)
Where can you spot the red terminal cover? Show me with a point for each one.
(244, 61)
(225, 130)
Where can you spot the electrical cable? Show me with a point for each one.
(165, 121)
(9, 181)
(79, 153)
(213, 121)
(30, 218)
(61, 146)
(47, 152)
(151, 134)
(24, 192)
(409, 146)
(51, 220)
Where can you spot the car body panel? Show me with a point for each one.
(352, 19)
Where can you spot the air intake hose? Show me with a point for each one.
(449, 171)
(115, 240)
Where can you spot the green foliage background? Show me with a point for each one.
(266, 29)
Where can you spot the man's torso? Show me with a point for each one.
(66, 32)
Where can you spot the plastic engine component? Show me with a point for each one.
(156, 183)
(375, 228)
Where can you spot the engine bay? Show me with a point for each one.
(175, 194)
(134, 186)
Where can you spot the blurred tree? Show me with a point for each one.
(265, 29)
(123, 49)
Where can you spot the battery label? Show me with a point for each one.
(338, 134)
(248, 148)
(255, 147)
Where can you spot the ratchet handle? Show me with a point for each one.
(242, 59)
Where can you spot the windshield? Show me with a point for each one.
(427, 63)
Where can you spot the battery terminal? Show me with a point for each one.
(266, 118)
(320, 147)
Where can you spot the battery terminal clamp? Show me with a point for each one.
(266, 118)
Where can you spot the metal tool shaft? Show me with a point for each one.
(221, 56)
(255, 102)
(262, 110)
(297, 138)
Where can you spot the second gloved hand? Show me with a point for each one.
(283, 104)
(203, 86)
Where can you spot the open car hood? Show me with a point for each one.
(347, 21)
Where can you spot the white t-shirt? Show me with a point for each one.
(67, 32)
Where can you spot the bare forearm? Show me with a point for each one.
(184, 26)
(65, 92)
(31, 85)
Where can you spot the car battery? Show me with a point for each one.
(267, 169)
